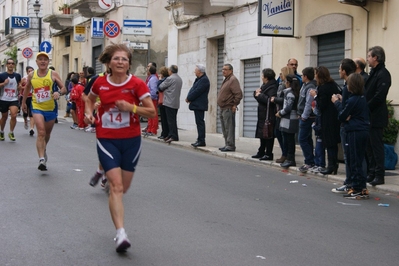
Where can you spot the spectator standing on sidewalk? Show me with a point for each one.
(163, 74)
(229, 98)
(376, 91)
(197, 98)
(152, 82)
(172, 89)
(355, 116)
(265, 107)
(330, 125)
(289, 123)
(306, 118)
(346, 68)
(360, 66)
(279, 99)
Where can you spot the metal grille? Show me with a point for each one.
(252, 74)
(331, 51)
(98, 67)
(219, 79)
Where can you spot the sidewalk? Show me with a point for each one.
(246, 147)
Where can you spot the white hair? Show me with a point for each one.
(200, 67)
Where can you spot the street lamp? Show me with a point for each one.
(36, 9)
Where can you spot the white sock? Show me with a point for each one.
(120, 231)
(101, 172)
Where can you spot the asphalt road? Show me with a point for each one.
(184, 208)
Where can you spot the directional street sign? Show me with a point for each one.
(137, 27)
(19, 22)
(45, 47)
(111, 28)
(97, 28)
(27, 52)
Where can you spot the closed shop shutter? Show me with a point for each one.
(331, 51)
(252, 74)
(98, 67)
(219, 79)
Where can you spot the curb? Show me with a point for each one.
(387, 189)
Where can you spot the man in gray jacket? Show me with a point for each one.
(172, 88)
(306, 118)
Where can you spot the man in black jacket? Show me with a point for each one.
(197, 97)
(376, 90)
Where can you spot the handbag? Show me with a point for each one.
(160, 97)
(267, 132)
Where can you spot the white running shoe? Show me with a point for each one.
(122, 242)
(42, 165)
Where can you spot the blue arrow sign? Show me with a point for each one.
(45, 47)
(137, 23)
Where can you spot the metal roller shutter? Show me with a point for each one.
(252, 73)
(98, 67)
(219, 79)
(331, 51)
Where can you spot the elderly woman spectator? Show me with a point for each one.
(265, 107)
(163, 74)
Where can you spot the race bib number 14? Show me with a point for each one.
(115, 119)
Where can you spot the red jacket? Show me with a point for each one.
(76, 94)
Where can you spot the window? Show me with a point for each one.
(67, 40)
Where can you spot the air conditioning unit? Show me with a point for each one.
(353, 2)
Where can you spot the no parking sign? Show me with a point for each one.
(27, 52)
(111, 29)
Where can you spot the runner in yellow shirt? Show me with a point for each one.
(41, 82)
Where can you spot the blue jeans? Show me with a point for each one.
(319, 153)
(305, 140)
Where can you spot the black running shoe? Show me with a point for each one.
(95, 178)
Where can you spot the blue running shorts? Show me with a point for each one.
(123, 153)
(48, 115)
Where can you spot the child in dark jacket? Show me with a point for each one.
(355, 116)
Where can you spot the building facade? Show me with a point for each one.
(213, 32)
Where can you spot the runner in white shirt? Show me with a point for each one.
(10, 83)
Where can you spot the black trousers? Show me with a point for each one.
(200, 122)
(171, 118)
(356, 142)
(376, 154)
(289, 144)
(164, 122)
(266, 147)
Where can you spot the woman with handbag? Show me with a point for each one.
(289, 123)
(266, 118)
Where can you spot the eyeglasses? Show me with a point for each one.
(123, 59)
